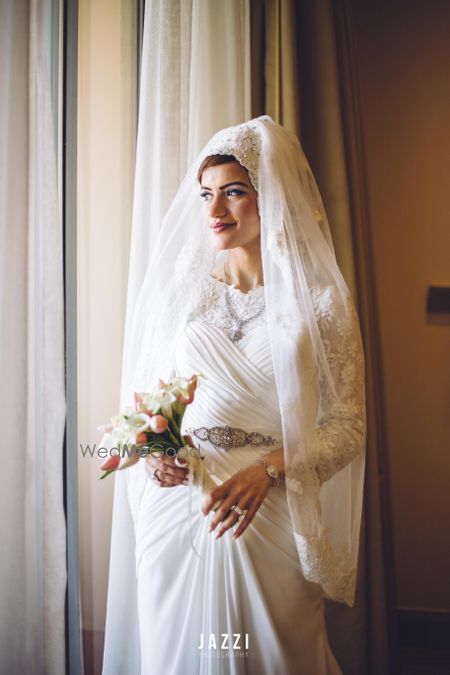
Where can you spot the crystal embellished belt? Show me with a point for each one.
(231, 437)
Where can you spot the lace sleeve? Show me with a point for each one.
(341, 429)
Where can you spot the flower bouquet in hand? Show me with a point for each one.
(153, 427)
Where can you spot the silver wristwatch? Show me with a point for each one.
(271, 471)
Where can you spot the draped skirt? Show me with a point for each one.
(212, 606)
(224, 606)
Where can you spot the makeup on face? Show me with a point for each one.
(231, 205)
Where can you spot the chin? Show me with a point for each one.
(224, 243)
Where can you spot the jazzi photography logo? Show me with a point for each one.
(224, 645)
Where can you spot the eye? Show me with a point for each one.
(205, 196)
(234, 192)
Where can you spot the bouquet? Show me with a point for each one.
(153, 427)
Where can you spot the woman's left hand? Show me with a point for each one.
(246, 489)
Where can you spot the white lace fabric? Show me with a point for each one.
(243, 143)
(336, 442)
(339, 430)
(213, 307)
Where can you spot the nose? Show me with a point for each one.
(217, 207)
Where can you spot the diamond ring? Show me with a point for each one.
(237, 510)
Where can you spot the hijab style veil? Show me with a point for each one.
(315, 345)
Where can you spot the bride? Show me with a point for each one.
(242, 287)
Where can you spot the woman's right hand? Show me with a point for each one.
(166, 470)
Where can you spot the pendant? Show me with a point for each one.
(235, 334)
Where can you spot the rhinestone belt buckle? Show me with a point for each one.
(230, 437)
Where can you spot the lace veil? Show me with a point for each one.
(315, 343)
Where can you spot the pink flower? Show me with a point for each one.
(139, 398)
(111, 464)
(141, 438)
(158, 424)
(127, 456)
(192, 386)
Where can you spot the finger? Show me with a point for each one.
(188, 440)
(168, 468)
(216, 505)
(180, 461)
(174, 473)
(167, 485)
(216, 494)
(229, 521)
(168, 477)
(246, 519)
(222, 512)
(177, 462)
(156, 453)
(163, 480)
(165, 477)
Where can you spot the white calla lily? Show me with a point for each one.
(138, 422)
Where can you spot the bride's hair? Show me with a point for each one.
(215, 160)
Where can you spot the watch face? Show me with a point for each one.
(272, 471)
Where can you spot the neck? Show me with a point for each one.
(244, 267)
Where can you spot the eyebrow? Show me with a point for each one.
(223, 187)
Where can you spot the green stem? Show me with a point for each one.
(175, 425)
(173, 438)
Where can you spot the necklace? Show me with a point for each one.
(235, 332)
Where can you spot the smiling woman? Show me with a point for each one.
(231, 207)
(243, 287)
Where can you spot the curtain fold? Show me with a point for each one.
(322, 130)
(189, 89)
(381, 630)
(33, 555)
(308, 70)
(275, 79)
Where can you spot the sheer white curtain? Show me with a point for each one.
(195, 79)
(33, 550)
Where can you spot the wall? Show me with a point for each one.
(404, 67)
(106, 140)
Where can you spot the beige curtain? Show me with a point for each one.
(32, 414)
(304, 76)
(275, 83)
(183, 77)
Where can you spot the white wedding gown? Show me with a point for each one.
(250, 592)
